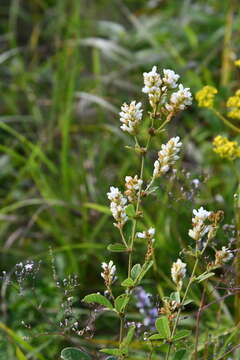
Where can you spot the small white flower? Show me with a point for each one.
(152, 81)
(130, 116)
(223, 256)
(133, 185)
(117, 205)
(149, 234)
(170, 78)
(178, 272)
(29, 266)
(180, 99)
(167, 156)
(109, 272)
(200, 214)
(199, 227)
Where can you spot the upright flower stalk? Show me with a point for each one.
(166, 99)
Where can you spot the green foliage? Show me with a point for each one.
(162, 326)
(71, 353)
(66, 68)
(98, 299)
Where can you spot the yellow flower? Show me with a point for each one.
(234, 103)
(225, 148)
(205, 96)
(237, 62)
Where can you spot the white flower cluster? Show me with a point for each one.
(109, 272)
(167, 156)
(118, 205)
(130, 116)
(149, 234)
(178, 272)
(170, 78)
(152, 81)
(156, 87)
(133, 185)
(199, 227)
(223, 256)
(179, 100)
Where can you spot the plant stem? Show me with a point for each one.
(225, 121)
(121, 329)
(135, 220)
(181, 305)
(123, 237)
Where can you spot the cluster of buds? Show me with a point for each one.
(169, 308)
(156, 87)
(109, 273)
(200, 228)
(118, 206)
(178, 272)
(152, 86)
(130, 116)
(133, 186)
(167, 156)
(222, 256)
(149, 236)
(179, 100)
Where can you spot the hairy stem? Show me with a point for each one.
(135, 220)
(181, 305)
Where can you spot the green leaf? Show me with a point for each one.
(144, 270)
(99, 299)
(175, 296)
(156, 337)
(130, 210)
(128, 282)
(72, 353)
(127, 340)
(204, 276)
(135, 271)
(188, 301)
(117, 247)
(19, 354)
(121, 302)
(181, 334)
(111, 358)
(179, 354)
(162, 327)
(116, 352)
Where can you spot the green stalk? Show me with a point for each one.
(225, 121)
(181, 305)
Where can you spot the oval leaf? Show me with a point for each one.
(204, 276)
(162, 327)
(121, 302)
(181, 334)
(116, 352)
(71, 353)
(117, 248)
(98, 299)
(155, 337)
(128, 282)
(135, 271)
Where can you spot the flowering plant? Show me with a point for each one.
(162, 330)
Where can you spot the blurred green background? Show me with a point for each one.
(66, 67)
